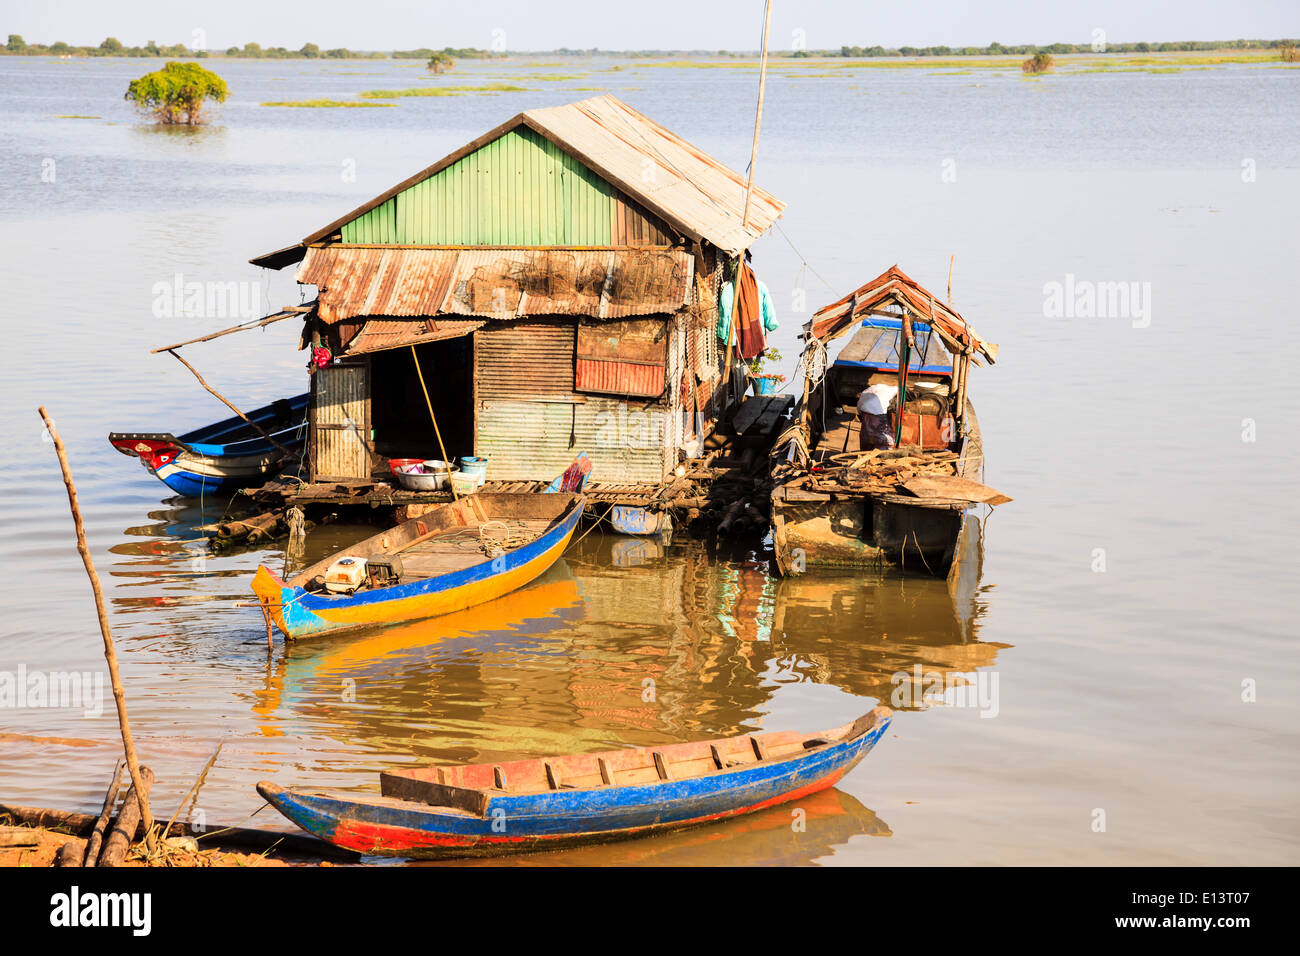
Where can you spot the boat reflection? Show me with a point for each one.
(794, 834)
(867, 633)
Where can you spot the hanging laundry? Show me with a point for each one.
(756, 320)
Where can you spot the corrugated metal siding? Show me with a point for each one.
(537, 440)
(518, 189)
(525, 358)
(623, 358)
(500, 283)
(620, 378)
(530, 424)
(340, 401)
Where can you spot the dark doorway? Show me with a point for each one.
(398, 410)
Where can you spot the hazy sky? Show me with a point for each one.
(665, 24)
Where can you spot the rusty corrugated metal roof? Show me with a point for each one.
(496, 283)
(893, 286)
(380, 334)
(690, 190)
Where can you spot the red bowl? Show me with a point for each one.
(405, 466)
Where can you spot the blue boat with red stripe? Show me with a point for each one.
(491, 809)
(223, 456)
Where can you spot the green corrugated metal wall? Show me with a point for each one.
(518, 190)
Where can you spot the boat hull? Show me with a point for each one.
(223, 456)
(378, 826)
(196, 476)
(865, 532)
(300, 614)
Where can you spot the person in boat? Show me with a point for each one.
(873, 417)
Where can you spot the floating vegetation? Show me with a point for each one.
(75, 116)
(325, 104)
(1039, 63)
(951, 73)
(444, 91)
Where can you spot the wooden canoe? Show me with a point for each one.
(223, 456)
(458, 555)
(486, 809)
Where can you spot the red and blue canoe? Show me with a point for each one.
(489, 809)
(223, 456)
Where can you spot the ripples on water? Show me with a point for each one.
(1119, 690)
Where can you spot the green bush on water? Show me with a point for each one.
(177, 94)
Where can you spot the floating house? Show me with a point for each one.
(552, 287)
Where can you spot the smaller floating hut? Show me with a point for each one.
(897, 494)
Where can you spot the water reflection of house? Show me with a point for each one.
(558, 281)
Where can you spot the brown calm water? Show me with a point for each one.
(1129, 644)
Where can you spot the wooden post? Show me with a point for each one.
(97, 834)
(227, 403)
(110, 654)
(296, 519)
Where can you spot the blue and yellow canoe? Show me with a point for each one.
(460, 554)
(489, 809)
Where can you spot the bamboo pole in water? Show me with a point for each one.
(110, 654)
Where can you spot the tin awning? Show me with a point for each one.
(498, 283)
(894, 289)
(378, 335)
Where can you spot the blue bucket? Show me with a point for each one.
(764, 385)
(475, 468)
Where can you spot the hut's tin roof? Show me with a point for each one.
(690, 190)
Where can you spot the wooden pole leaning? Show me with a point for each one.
(141, 787)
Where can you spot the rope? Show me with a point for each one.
(806, 265)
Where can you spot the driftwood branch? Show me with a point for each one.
(97, 835)
(128, 821)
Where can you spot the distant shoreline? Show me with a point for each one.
(252, 51)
